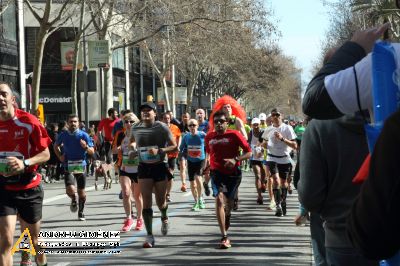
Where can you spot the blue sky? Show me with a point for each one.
(302, 24)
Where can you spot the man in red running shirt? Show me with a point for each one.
(23, 146)
(222, 147)
(105, 127)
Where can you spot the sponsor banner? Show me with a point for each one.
(98, 53)
(67, 56)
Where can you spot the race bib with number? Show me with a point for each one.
(257, 153)
(130, 165)
(194, 151)
(4, 170)
(129, 162)
(146, 157)
(76, 167)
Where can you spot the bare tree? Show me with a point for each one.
(50, 18)
(4, 5)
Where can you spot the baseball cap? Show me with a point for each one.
(255, 121)
(149, 105)
(262, 116)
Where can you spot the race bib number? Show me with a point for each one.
(129, 162)
(76, 167)
(257, 153)
(4, 170)
(146, 157)
(194, 151)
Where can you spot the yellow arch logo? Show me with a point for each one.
(24, 243)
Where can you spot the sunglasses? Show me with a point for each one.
(276, 114)
(192, 125)
(221, 121)
(129, 121)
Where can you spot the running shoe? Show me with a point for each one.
(183, 188)
(289, 189)
(206, 189)
(128, 224)
(74, 206)
(260, 200)
(139, 224)
(168, 197)
(196, 207)
(81, 216)
(164, 226)
(149, 242)
(272, 205)
(225, 243)
(202, 204)
(120, 195)
(278, 211)
(301, 219)
(26, 259)
(284, 207)
(227, 221)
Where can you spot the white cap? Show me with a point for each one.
(262, 116)
(255, 121)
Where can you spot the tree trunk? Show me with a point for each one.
(166, 96)
(74, 94)
(173, 90)
(37, 67)
(108, 88)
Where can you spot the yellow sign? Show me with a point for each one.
(24, 243)
(40, 113)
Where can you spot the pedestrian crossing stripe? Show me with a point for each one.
(24, 243)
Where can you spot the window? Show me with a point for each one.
(8, 22)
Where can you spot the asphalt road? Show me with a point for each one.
(257, 236)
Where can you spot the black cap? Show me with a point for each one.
(149, 105)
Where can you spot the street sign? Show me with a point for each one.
(98, 53)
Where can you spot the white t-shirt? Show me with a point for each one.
(257, 151)
(277, 147)
(341, 86)
(129, 166)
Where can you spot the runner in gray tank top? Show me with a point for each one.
(153, 140)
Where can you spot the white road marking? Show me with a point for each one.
(62, 264)
(52, 199)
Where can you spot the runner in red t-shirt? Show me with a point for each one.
(23, 146)
(105, 128)
(222, 147)
(176, 133)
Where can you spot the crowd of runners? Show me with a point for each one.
(142, 156)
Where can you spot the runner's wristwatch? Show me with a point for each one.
(27, 163)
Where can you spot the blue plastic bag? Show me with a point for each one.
(393, 261)
(385, 93)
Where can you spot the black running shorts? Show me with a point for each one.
(227, 184)
(132, 176)
(69, 179)
(27, 203)
(171, 163)
(282, 169)
(195, 168)
(158, 172)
